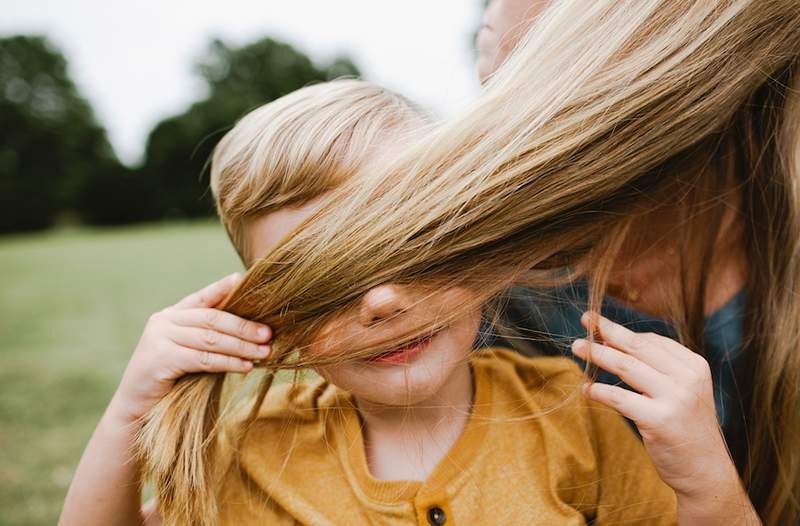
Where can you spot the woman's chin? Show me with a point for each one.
(485, 66)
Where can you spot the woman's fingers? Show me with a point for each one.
(628, 368)
(212, 294)
(193, 361)
(221, 321)
(663, 354)
(218, 342)
(635, 406)
(612, 333)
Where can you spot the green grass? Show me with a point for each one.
(72, 307)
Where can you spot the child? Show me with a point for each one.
(426, 433)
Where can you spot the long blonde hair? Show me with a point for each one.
(605, 108)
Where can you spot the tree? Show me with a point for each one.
(51, 143)
(238, 80)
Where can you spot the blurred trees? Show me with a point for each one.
(50, 143)
(55, 157)
(238, 80)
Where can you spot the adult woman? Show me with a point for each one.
(715, 316)
(608, 116)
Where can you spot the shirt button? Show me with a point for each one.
(436, 516)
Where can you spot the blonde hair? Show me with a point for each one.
(284, 154)
(605, 109)
(301, 146)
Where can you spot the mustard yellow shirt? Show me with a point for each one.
(533, 452)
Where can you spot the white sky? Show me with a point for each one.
(133, 60)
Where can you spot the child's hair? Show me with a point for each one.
(608, 109)
(301, 146)
(283, 154)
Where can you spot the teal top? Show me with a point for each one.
(553, 316)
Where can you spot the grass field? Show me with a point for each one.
(72, 306)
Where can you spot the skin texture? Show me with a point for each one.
(673, 408)
(504, 23)
(413, 411)
(384, 312)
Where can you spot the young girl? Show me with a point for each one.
(422, 432)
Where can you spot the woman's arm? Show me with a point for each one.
(675, 413)
(191, 336)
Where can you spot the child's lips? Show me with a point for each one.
(404, 354)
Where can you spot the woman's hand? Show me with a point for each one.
(673, 409)
(188, 337)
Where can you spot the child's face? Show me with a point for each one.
(397, 377)
(504, 23)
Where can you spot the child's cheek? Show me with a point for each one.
(332, 339)
(343, 377)
(463, 334)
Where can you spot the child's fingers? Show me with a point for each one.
(193, 361)
(217, 342)
(212, 294)
(635, 406)
(221, 321)
(628, 368)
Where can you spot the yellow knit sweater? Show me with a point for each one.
(533, 452)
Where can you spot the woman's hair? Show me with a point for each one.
(606, 111)
(284, 154)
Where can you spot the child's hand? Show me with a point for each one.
(675, 412)
(190, 336)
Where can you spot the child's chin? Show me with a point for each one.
(404, 390)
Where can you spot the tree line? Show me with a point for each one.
(56, 162)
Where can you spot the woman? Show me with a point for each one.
(728, 265)
(611, 119)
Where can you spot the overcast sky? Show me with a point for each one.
(133, 60)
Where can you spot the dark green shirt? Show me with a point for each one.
(552, 318)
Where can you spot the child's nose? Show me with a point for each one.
(381, 303)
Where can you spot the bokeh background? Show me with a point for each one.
(108, 113)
